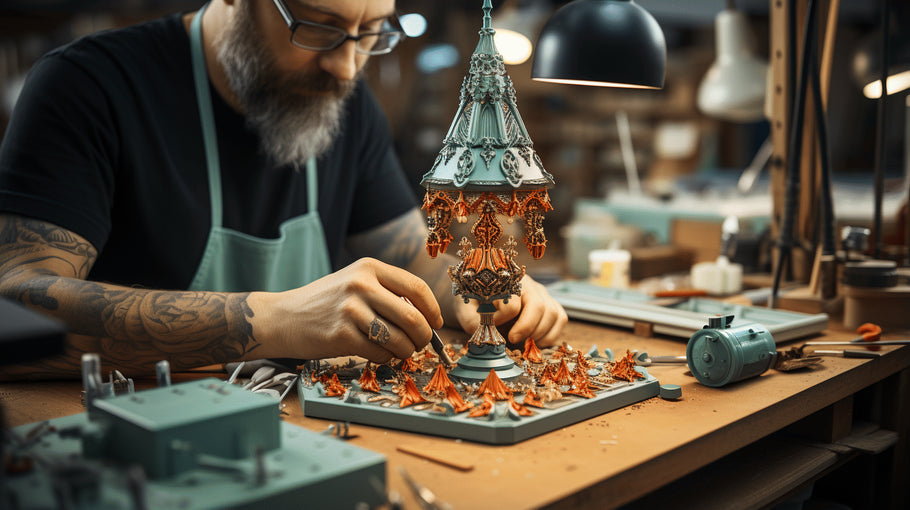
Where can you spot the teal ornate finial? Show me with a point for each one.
(487, 17)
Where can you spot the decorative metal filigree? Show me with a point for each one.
(513, 132)
(487, 230)
(465, 167)
(463, 95)
(448, 152)
(487, 273)
(462, 135)
(509, 165)
(488, 152)
(439, 218)
(535, 239)
(525, 153)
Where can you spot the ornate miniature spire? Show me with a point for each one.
(487, 147)
(487, 166)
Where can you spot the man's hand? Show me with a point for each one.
(401, 242)
(537, 315)
(357, 310)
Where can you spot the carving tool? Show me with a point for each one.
(237, 370)
(437, 344)
(667, 359)
(646, 361)
(440, 349)
(425, 497)
(261, 374)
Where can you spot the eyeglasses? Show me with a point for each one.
(318, 37)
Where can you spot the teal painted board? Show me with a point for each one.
(500, 427)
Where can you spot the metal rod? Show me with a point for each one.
(863, 344)
(828, 244)
(849, 353)
(907, 178)
(880, 136)
(667, 359)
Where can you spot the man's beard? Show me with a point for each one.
(296, 115)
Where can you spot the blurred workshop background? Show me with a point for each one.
(652, 171)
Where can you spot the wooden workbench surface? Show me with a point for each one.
(605, 461)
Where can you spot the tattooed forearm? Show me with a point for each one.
(141, 327)
(44, 266)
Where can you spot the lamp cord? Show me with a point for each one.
(794, 153)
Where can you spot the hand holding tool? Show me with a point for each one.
(437, 344)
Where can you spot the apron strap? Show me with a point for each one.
(204, 101)
(312, 186)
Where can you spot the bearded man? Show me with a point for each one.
(191, 188)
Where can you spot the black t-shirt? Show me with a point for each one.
(106, 141)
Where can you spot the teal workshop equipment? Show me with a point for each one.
(720, 353)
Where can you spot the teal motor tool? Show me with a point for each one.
(720, 354)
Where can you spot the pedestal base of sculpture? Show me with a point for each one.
(476, 364)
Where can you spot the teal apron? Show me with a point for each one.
(237, 262)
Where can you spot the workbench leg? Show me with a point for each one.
(827, 425)
(895, 468)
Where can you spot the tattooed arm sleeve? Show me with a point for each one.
(44, 267)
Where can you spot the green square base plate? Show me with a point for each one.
(501, 426)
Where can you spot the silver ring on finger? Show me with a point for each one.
(379, 332)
